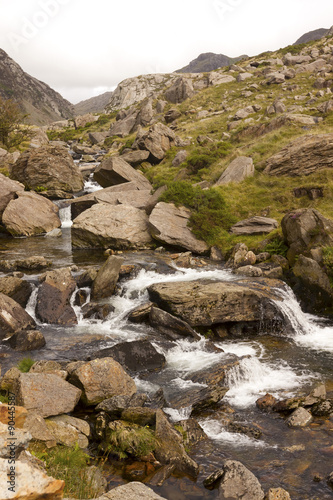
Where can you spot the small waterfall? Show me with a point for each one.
(90, 186)
(216, 431)
(307, 329)
(32, 302)
(65, 216)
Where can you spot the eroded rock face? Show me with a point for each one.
(46, 394)
(255, 225)
(30, 215)
(116, 170)
(53, 300)
(50, 167)
(169, 224)
(13, 318)
(102, 378)
(237, 171)
(204, 303)
(8, 190)
(181, 90)
(119, 227)
(303, 156)
(158, 140)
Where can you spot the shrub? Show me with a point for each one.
(276, 247)
(25, 364)
(202, 157)
(210, 213)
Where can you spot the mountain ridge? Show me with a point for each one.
(209, 61)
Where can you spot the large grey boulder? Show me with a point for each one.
(8, 190)
(180, 90)
(101, 379)
(299, 418)
(53, 299)
(13, 318)
(204, 303)
(255, 225)
(115, 170)
(303, 156)
(157, 141)
(46, 394)
(30, 215)
(131, 491)
(238, 170)
(124, 127)
(120, 227)
(135, 158)
(105, 282)
(169, 224)
(238, 483)
(50, 167)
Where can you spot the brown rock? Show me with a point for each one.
(255, 225)
(115, 170)
(267, 402)
(277, 494)
(8, 190)
(105, 282)
(6, 415)
(13, 318)
(158, 140)
(19, 290)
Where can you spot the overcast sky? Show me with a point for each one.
(83, 48)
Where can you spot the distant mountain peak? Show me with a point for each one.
(209, 61)
(314, 35)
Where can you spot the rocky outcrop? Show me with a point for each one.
(209, 62)
(49, 167)
(13, 318)
(169, 224)
(135, 158)
(180, 90)
(157, 141)
(238, 170)
(205, 303)
(8, 190)
(46, 394)
(102, 378)
(115, 170)
(304, 156)
(53, 299)
(30, 215)
(255, 225)
(119, 227)
(105, 282)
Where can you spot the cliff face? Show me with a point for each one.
(42, 103)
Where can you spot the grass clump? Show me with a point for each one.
(203, 157)
(25, 364)
(210, 212)
(328, 262)
(69, 465)
(131, 441)
(276, 247)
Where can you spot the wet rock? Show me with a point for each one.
(132, 491)
(102, 378)
(299, 418)
(266, 403)
(33, 263)
(170, 448)
(141, 313)
(53, 299)
(205, 303)
(19, 290)
(157, 141)
(277, 494)
(137, 356)
(170, 325)
(192, 432)
(322, 409)
(115, 405)
(200, 398)
(238, 170)
(30, 215)
(330, 479)
(8, 190)
(240, 428)
(157, 400)
(46, 394)
(50, 167)
(119, 227)
(216, 374)
(96, 311)
(169, 224)
(13, 318)
(27, 340)
(303, 156)
(105, 282)
(115, 170)
(254, 225)
(31, 482)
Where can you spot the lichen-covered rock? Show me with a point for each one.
(299, 418)
(237, 482)
(238, 170)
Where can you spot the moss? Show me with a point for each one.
(25, 364)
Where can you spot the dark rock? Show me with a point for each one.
(96, 311)
(200, 398)
(106, 280)
(170, 325)
(192, 432)
(141, 313)
(323, 409)
(216, 374)
(140, 416)
(157, 400)
(313, 192)
(19, 290)
(27, 340)
(266, 403)
(117, 404)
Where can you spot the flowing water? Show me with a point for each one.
(282, 366)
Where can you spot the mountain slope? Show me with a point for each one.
(312, 35)
(209, 62)
(93, 105)
(42, 103)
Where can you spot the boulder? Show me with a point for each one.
(105, 282)
(290, 60)
(180, 158)
(50, 167)
(180, 90)
(169, 224)
(204, 303)
(97, 137)
(104, 226)
(68, 430)
(27, 340)
(172, 115)
(30, 215)
(102, 378)
(13, 318)
(46, 394)
(115, 406)
(114, 170)
(140, 416)
(83, 120)
(53, 299)
(236, 482)
(215, 78)
(255, 225)
(277, 494)
(244, 113)
(137, 356)
(303, 156)
(157, 141)
(132, 491)
(299, 418)
(170, 448)
(8, 190)
(306, 229)
(135, 158)
(124, 127)
(170, 325)
(243, 76)
(19, 290)
(200, 398)
(29, 483)
(238, 170)
(275, 78)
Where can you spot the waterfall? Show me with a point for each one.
(32, 302)
(65, 216)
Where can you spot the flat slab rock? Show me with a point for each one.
(169, 224)
(255, 225)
